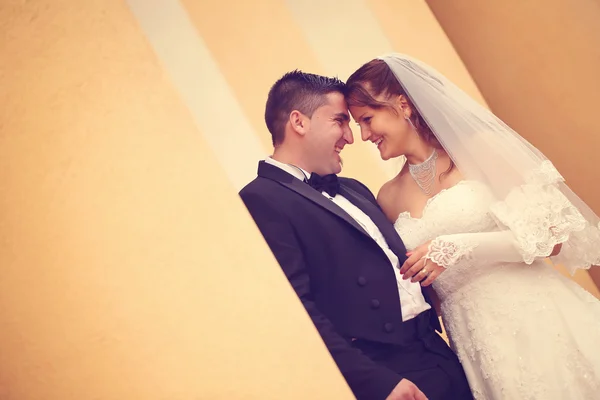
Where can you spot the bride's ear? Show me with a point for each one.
(403, 105)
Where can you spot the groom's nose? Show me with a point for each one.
(348, 135)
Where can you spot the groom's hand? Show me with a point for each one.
(406, 390)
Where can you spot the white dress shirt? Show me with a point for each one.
(411, 298)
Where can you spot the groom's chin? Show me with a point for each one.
(340, 166)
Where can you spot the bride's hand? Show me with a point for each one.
(417, 268)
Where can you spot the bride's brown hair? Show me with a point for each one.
(375, 78)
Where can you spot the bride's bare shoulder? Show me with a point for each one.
(388, 195)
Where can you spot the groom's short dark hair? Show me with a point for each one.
(300, 91)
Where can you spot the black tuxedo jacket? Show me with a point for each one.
(342, 276)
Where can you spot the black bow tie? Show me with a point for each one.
(327, 183)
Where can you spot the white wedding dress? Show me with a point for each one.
(520, 331)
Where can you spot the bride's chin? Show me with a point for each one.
(385, 154)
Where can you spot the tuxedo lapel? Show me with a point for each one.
(387, 230)
(378, 218)
(271, 172)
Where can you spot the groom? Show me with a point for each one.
(341, 254)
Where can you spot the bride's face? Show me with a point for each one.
(385, 127)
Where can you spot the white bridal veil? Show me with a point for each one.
(532, 199)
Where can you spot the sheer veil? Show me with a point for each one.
(531, 197)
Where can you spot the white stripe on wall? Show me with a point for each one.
(203, 89)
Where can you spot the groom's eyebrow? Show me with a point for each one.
(342, 115)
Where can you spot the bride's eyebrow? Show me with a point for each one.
(361, 117)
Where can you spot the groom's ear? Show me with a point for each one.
(299, 122)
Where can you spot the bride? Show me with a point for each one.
(481, 209)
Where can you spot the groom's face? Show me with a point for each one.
(328, 134)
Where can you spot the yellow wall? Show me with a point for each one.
(130, 269)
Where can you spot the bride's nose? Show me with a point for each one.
(365, 134)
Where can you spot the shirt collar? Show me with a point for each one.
(290, 169)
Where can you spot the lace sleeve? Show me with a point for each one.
(489, 247)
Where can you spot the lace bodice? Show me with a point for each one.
(460, 209)
(463, 232)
